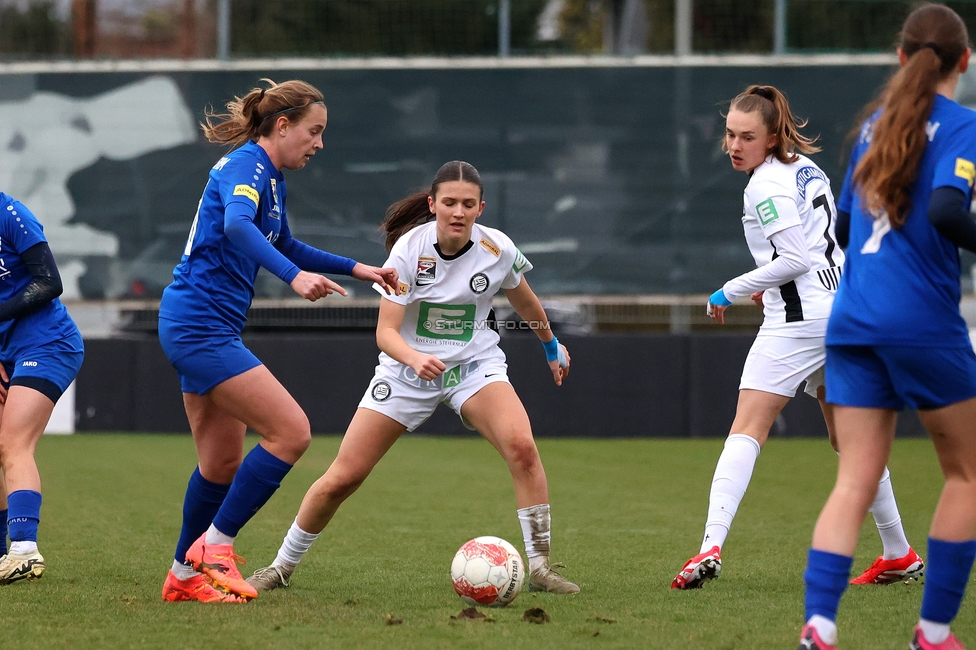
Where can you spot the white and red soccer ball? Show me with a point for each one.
(487, 571)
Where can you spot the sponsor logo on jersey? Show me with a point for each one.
(931, 128)
(520, 261)
(479, 283)
(806, 174)
(403, 289)
(454, 322)
(767, 212)
(381, 391)
(248, 191)
(491, 248)
(966, 169)
(426, 268)
(220, 163)
(451, 377)
(29, 364)
(830, 277)
(276, 208)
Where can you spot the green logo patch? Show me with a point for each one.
(520, 261)
(455, 322)
(767, 212)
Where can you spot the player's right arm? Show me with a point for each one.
(388, 338)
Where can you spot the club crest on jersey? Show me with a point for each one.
(426, 268)
(276, 208)
(479, 283)
(381, 391)
(806, 174)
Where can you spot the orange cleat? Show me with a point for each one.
(699, 570)
(219, 563)
(886, 572)
(196, 588)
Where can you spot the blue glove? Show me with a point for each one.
(718, 299)
(554, 352)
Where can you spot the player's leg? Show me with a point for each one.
(754, 416)
(25, 415)
(256, 399)
(3, 507)
(367, 439)
(864, 437)
(952, 538)
(496, 411)
(898, 561)
(219, 440)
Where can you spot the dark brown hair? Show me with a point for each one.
(773, 107)
(247, 117)
(933, 39)
(414, 210)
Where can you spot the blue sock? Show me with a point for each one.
(200, 506)
(24, 508)
(257, 479)
(826, 579)
(3, 531)
(946, 574)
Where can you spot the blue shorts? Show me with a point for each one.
(48, 368)
(895, 377)
(203, 356)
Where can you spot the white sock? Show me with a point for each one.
(826, 628)
(22, 548)
(295, 545)
(536, 522)
(887, 518)
(934, 632)
(214, 536)
(182, 571)
(729, 483)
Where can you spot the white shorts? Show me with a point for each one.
(398, 393)
(778, 365)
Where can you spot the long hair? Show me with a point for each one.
(247, 117)
(773, 107)
(414, 210)
(933, 39)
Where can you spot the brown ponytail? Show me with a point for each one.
(933, 39)
(415, 210)
(774, 108)
(247, 117)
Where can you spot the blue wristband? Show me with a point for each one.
(552, 349)
(718, 298)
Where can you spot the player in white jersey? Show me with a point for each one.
(788, 217)
(437, 347)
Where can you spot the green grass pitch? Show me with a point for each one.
(626, 515)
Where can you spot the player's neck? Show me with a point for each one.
(947, 87)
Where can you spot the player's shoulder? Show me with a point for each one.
(249, 159)
(772, 178)
(494, 241)
(413, 239)
(951, 121)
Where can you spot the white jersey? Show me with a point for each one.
(780, 196)
(448, 297)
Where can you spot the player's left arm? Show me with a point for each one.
(45, 284)
(529, 308)
(952, 190)
(309, 258)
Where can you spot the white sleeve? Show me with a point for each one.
(792, 261)
(399, 260)
(519, 266)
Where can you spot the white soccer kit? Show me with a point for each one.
(447, 300)
(781, 196)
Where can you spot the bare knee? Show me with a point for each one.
(293, 436)
(339, 486)
(522, 455)
(220, 469)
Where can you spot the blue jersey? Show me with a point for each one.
(20, 230)
(214, 282)
(901, 286)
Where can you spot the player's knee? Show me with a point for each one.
(522, 454)
(341, 485)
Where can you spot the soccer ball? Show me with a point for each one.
(487, 571)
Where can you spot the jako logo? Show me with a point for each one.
(32, 364)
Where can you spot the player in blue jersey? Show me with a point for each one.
(40, 354)
(241, 224)
(896, 338)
